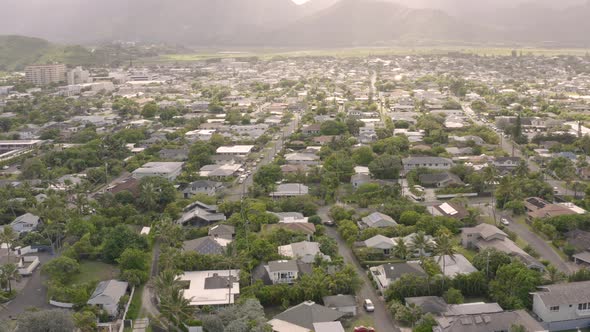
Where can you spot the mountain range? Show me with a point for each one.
(317, 23)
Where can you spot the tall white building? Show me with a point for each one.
(45, 74)
(79, 76)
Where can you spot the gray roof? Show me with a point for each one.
(108, 292)
(428, 304)
(328, 327)
(396, 270)
(337, 301)
(569, 293)
(283, 215)
(307, 313)
(499, 321)
(202, 184)
(426, 160)
(378, 219)
(27, 218)
(222, 230)
(203, 245)
(217, 282)
(455, 265)
(472, 309)
(379, 242)
(283, 265)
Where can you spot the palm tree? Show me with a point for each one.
(8, 236)
(176, 309)
(147, 196)
(421, 243)
(401, 249)
(554, 274)
(490, 176)
(167, 282)
(444, 247)
(9, 272)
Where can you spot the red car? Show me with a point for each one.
(363, 329)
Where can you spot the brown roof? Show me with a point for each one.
(130, 184)
(304, 227)
(551, 210)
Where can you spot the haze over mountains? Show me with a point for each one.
(317, 23)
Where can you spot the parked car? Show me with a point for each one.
(505, 222)
(363, 329)
(368, 305)
(329, 222)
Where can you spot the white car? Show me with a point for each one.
(505, 222)
(368, 305)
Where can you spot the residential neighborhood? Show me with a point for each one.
(420, 192)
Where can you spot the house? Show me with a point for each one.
(435, 305)
(206, 187)
(219, 171)
(322, 140)
(563, 306)
(490, 322)
(130, 184)
(281, 271)
(380, 243)
(25, 223)
(302, 159)
(25, 264)
(313, 129)
(358, 180)
(485, 236)
(449, 209)
(211, 288)
(377, 220)
(225, 232)
(440, 180)
(506, 162)
(302, 227)
(289, 190)
(290, 217)
(539, 208)
(385, 274)
(206, 245)
(301, 317)
(107, 294)
(174, 154)
(436, 163)
(239, 150)
(343, 303)
(328, 327)
(166, 170)
(304, 251)
(455, 265)
(409, 241)
(294, 169)
(198, 213)
(287, 271)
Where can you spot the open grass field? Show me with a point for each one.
(95, 271)
(363, 52)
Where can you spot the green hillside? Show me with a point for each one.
(17, 51)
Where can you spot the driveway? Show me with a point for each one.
(543, 248)
(382, 318)
(33, 294)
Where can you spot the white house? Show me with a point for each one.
(563, 306)
(240, 150)
(212, 288)
(107, 295)
(167, 170)
(437, 163)
(283, 271)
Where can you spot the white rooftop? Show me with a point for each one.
(199, 295)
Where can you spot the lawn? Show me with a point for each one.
(360, 320)
(135, 306)
(90, 270)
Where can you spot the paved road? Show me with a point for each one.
(33, 295)
(543, 248)
(382, 318)
(236, 192)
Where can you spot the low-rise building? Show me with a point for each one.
(386, 274)
(107, 294)
(211, 288)
(377, 220)
(166, 170)
(436, 163)
(343, 303)
(563, 306)
(289, 190)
